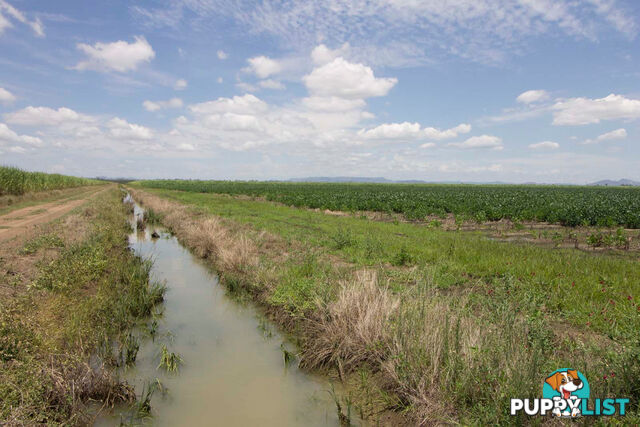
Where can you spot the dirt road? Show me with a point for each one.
(20, 221)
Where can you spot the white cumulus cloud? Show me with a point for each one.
(45, 116)
(532, 96)
(180, 84)
(120, 56)
(544, 145)
(412, 131)
(8, 135)
(6, 97)
(347, 80)
(609, 136)
(222, 54)
(321, 54)
(159, 105)
(584, 111)
(122, 129)
(263, 66)
(246, 104)
(482, 141)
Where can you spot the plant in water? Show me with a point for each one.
(168, 360)
(153, 329)
(344, 418)
(129, 350)
(288, 357)
(140, 224)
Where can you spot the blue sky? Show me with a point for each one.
(463, 90)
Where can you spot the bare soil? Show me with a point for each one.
(18, 222)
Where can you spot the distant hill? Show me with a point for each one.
(376, 179)
(618, 183)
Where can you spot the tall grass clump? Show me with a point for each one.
(15, 181)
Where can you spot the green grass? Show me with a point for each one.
(80, 307)
(15, 181)
(567, 205)
(528, 309)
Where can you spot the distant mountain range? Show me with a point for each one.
(375, 179)
(382, 180)
(618, 183)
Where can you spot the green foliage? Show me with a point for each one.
(567, 205)
(46, 241)
(403, 257)
(342, 238)
(16, 181)
(168, 360)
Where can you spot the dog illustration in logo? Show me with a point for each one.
(565, 383)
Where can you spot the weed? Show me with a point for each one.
(343, 417)
(46, 241)
(168, 360)
(342, 238)
(288, 357)
(403, 257)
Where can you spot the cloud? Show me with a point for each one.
(220, 80)
(121, 129)
(392, 131)
(8, 135)
(17, 150)
(544, 145)
(532, 96)
(158, 105)
(584, 111)
(609, 136)
(272, 84)
(332, 104)
(410, 32)
(222, 54)
(6, 97)
(411, 131)
(246, 104)
(180, 84)
(263, 66)
(321, 54)
(437, 134)
(119, 56)
(346, 80)
(482, 141)
(5, 7)
(45, 116)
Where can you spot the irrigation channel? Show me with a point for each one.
(232, 369)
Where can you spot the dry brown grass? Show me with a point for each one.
(354, 328)
(230, 250)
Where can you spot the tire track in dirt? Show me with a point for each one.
(19, 221)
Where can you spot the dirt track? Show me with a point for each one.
(19, 221)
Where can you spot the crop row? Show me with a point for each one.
(567, 205)
(16, 181)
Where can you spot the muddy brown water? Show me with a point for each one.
(233, 371)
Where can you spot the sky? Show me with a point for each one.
(439, 90)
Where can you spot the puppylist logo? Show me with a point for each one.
(565, 393)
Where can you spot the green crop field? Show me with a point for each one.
(16, 181)
(566, 205)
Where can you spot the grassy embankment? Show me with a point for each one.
(447, 325)
(69, 295)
